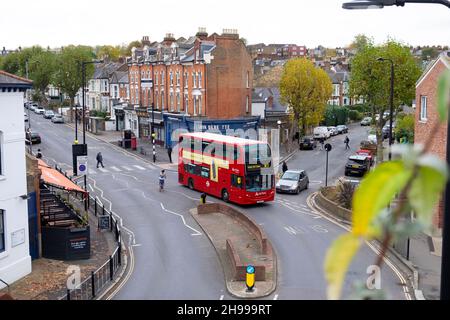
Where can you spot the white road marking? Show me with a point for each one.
(139, 167)
(115, 169)
(313, 215)
(197, 233)
(131, 176)
(92, 171)
(127, 168)
(126, 182)
(92, 189)
(275, 297)
(103, 170)
(221, 297)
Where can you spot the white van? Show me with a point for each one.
(321, 133)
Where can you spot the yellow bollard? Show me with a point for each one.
(250, 278)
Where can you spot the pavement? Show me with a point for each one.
(425, 252)
(48, 279)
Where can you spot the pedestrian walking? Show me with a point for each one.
(39, 154)
(285, 167)
(169, 152)
(322, 142)
(162, 178)
(100, 159)
(346, 141)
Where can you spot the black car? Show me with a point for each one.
(308, 143)
(357, 164)
(34, 137)
(342, 129)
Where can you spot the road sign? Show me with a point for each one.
(82, 162)
(328, 147)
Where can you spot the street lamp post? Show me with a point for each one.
(391, 103)
(83, 85)
(153, 133)
(378, 4)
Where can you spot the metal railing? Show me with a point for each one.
(92, 286)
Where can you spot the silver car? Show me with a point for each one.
(57, 118)
(293, 181)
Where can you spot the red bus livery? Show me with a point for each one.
(234, 169)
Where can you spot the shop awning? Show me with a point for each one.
(55, 178)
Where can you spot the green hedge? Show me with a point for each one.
(361, 108)
(355, 115)
(335, 115)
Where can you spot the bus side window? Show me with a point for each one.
(205, 172)
(236, 181)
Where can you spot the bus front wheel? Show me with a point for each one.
(225, 195)
(191, 184)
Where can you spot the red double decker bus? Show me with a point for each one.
(234, 169)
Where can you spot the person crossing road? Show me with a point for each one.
(100, 159)
(162, 179)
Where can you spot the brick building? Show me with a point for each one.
(203, 76)
(292, 51)
(426, 115)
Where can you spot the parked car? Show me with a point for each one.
(39, 110)
(32, 136)
(368, 153)
(26, 117)
(366, 121)
(333, 131)
(357, 164)
(48, 114)
(385, 130)
(58, 118)
(308, 143)
(321, 133)
(342, 128)
(33, 106)
(293, 181)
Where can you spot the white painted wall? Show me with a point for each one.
(110, 125)
(15, 261)
(258, 109)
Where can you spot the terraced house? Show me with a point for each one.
(202, 77)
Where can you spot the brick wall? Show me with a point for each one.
(428, 87)
(227, 90)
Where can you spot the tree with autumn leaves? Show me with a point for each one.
(306, 90)
(370, 80)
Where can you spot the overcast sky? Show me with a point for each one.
(304, 22)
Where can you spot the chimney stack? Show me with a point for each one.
(202, 34)
(145, 41)
(230, 33)
(169, 39)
